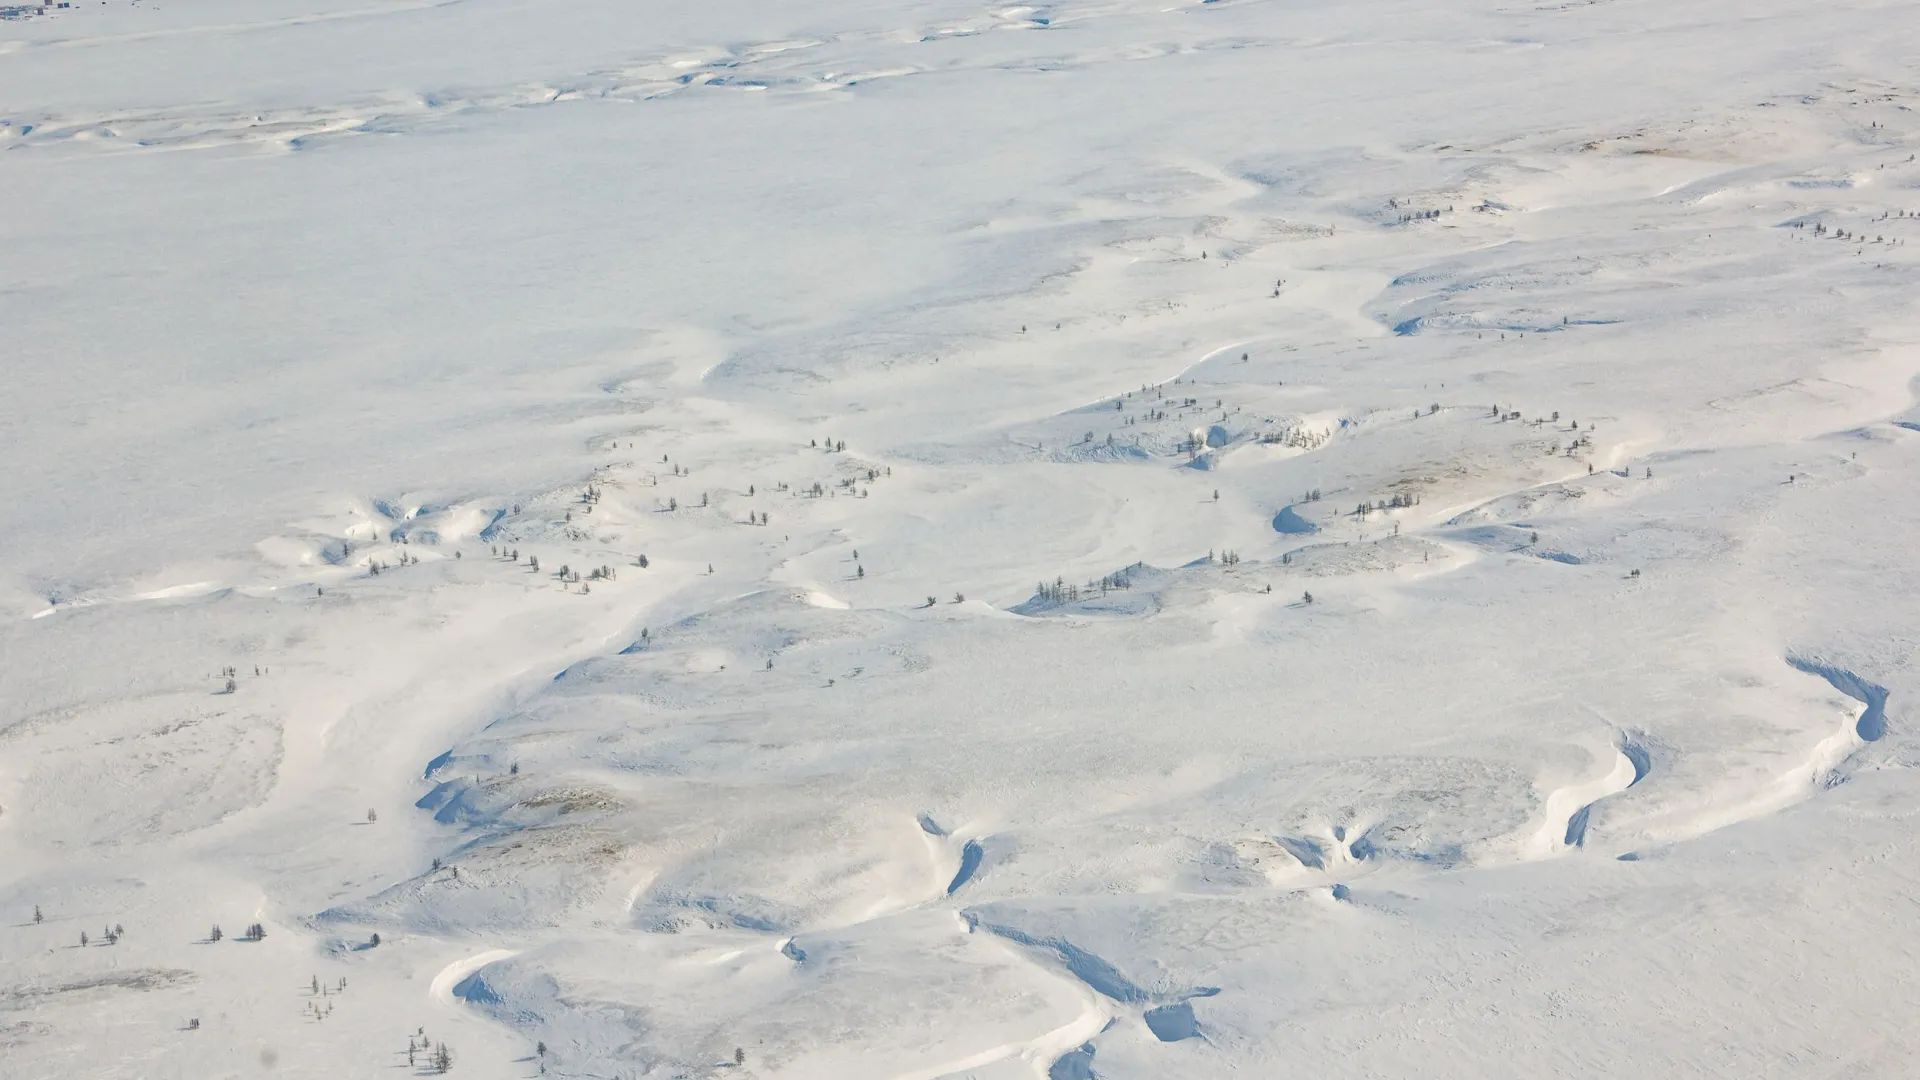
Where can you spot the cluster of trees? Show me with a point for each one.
(406, 559)
(1842, 234)
(111, 935)
(439, 1058)
(1060, 592)
(1057, 593)
(1296, 436)
(320, 1012)
(1396, 502)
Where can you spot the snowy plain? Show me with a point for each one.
(1114, 538)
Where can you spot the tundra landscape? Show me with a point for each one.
(832, 540)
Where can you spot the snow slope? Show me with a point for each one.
(1098, 539)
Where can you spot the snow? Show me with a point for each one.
(1371, 540)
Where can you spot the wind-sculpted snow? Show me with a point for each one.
(1087, 539)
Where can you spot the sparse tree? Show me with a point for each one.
(1306, 598)
(739, 1055)
(372, 816)
(37, 917)
(374, 941)
(215, 934)
(442, 1059)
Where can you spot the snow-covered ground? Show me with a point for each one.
(1114, 538)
